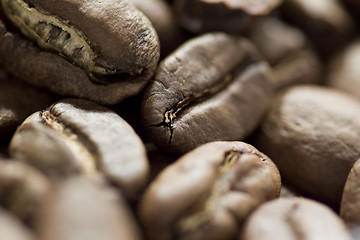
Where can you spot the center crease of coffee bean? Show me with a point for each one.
(203, 209)
(172, 114)
(55, 34)
(85, 158)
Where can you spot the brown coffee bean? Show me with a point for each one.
(80, 209)
(23, 190)
(17, 102)
(82, 49)
(312, 134)
(344, 71)
(12, 228)
(287, 50)
(350, 202)
(294, 218)
(77, 136)
(200, 16)
(325, 21)
(208, 192)
(213, 87)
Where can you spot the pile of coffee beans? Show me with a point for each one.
(179, 119)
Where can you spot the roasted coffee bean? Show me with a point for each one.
(325, 21)
(344, 71)
(12, 229)
(350, 202)
(312, 134)
(200, 16)
(77, 136)
(23, 190)
(213, 87)
(81, 209)
(17, 102)
(84, 48)
(208, 192)
(287, 51)
(294, 218)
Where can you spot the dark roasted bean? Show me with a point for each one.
(77, 136)
(312, 134)
(204, 92)
(208, 192)
(82, 50)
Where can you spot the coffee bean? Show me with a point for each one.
(12, 228)
(80, 209)
(208, 192)
(312, 134)
(213, 87)
(200, 16)
(350, 205)
(77, 136)
(325, 21)
(294, 218)
(343, 72)
(82, 48)
(287, 51)
(23, 190)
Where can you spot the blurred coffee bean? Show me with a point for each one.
(161, 16)
(350, 203)
(23, 190)
(287, 51)
(325, 21)
(12, 229)
(104, 51)
(200, 16)
(207, 193)
(17, 101)
(294, 218)
(83, 210)
(312, 133)
(344, 71)
(213, 87)
(78, 136)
